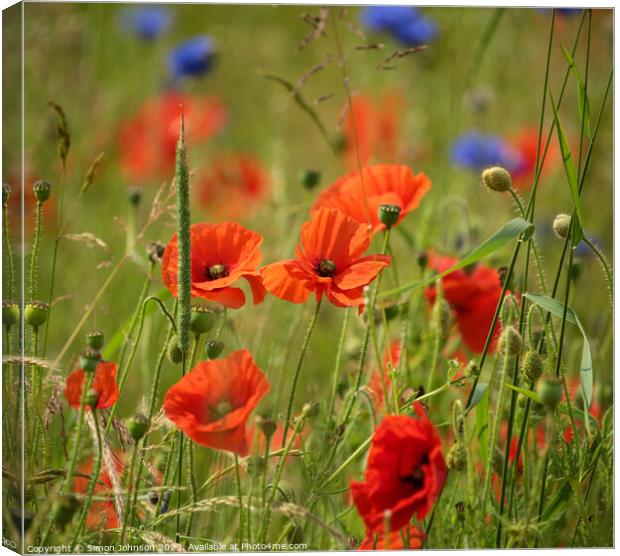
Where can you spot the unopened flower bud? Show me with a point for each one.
(64, 509)
(532, 366)
(459, 508)
(35, 313)
(6, 193)
(202, 320)
(155, 251)
(509, 341)
(422, 259)
(561, 225)
(137, 426)
(175, 353)
(213, 348)
(310, 178)
(497, 179)
(134, 195)
(10, 313)
(92, 398)
(550, 392)
(42, 190)
(388, 214)
(472, 370)
(94, 339)
(442, 319)
(89, 359)
(310, 409)
(267, 426)
(456, 458)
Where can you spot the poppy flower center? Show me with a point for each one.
(221, 409)
(326, 267)
(216, 271)
(416, 478)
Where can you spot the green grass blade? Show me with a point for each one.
(584, 101)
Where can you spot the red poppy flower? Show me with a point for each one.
(525, 143)
(104, 384)
(221, 255)
(377, 126)
(380, 184)
(212, 402)
(102, 513)
(406, 472)
(473, 294)
(233, 186)
(147, 142)
(395, 540)
(375, 384)
(329, 261)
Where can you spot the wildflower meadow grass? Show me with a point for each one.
(306, 278)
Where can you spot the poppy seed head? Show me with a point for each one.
(217, 271)
(326, 267)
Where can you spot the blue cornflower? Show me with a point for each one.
(562, 12)
(147, 22)
(476, 151)
(191, 58)
(405, 23)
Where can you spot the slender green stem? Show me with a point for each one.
(338, 363)
(167, 471)
(604, 265)
(240, 499)
(300, 362)
(128, 508)
(9, 253)
(34, 256)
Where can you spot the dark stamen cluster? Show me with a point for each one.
(325, 267)
(216, 271)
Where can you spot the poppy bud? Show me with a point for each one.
(89, 359)
(155, 251)
(201, 320)
(388, 214)
(310, 409)
(64, 509)
(550, 392)
(134, 195)
(35, 313)
(175, 353)
(391, 312)
(561, 225)
(137, 426)
(509, 341)
(310, 178)
(422, 258)
(472, 370)
(213, 348)
(92, 398)
(6, 192)
(10, 313)
(42, 190)
(442, 319)
(497, 179)
(256, 466)
(94, 339)
(532, 366)
(267, 426)
(459, 508)
(456, 458)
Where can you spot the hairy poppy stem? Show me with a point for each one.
(7, 249)
(300, 362)
(128, 509)
(94, 477)
(338, 363)
(34, 256)
(240, 499)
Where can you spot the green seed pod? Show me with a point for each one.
(497, 179)
(94, 339)
(550, 392)
(510, 341)
(89, 360)
(10, 313)
(63, 510)
(175, 353)
(310, 178)
(532, 366)
(202, 320)
(422, 259)
(6, 193)
(213, 348)
(388, 214)
(92, 398)
(35, 313)
(561, 225)
(134, 195)
(442, 319)
(267, 426)
(42, 190)
(310, 409)
(137, 426)
(456, 458)
(472, 370)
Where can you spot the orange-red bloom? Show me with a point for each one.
(147, 142)
(406, 472)
(233, 186)
(394, 541)
(380, 184)
(377, 127)
(104, 384)
(525, 143)
(221, 255)
(329, 261)
(212, 402)
(473, 294)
